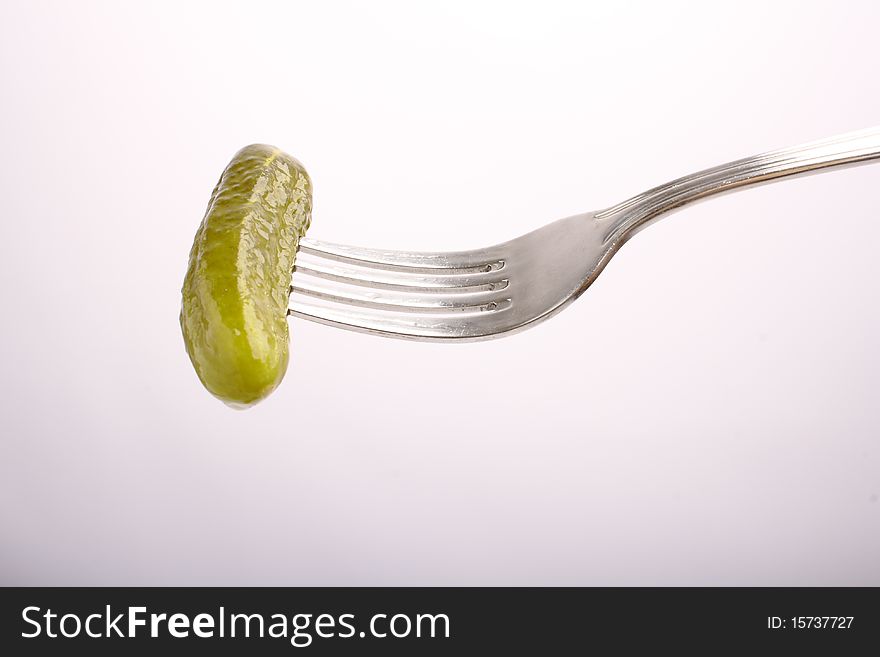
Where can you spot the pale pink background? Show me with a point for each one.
(706, 414)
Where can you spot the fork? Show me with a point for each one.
(502, 289)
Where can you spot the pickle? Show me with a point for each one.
(235, 293)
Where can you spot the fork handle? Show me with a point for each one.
(627, 218)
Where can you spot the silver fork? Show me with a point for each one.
(486, 293)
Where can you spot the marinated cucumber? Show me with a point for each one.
(234, 311)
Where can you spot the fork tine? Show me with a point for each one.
(329, 267)
(413, 261)
(416, 324)
(402, 294)
(402, 301)
(395, 290)
(391, 280)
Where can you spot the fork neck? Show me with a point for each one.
(625, 219)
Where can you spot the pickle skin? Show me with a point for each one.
(235, 293)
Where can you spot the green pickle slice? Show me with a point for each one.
(235, 294)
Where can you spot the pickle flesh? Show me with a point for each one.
(236, 289)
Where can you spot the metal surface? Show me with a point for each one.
(487, 293)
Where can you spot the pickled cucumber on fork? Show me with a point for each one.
(235, 293)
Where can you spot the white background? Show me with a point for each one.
(705, 414)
